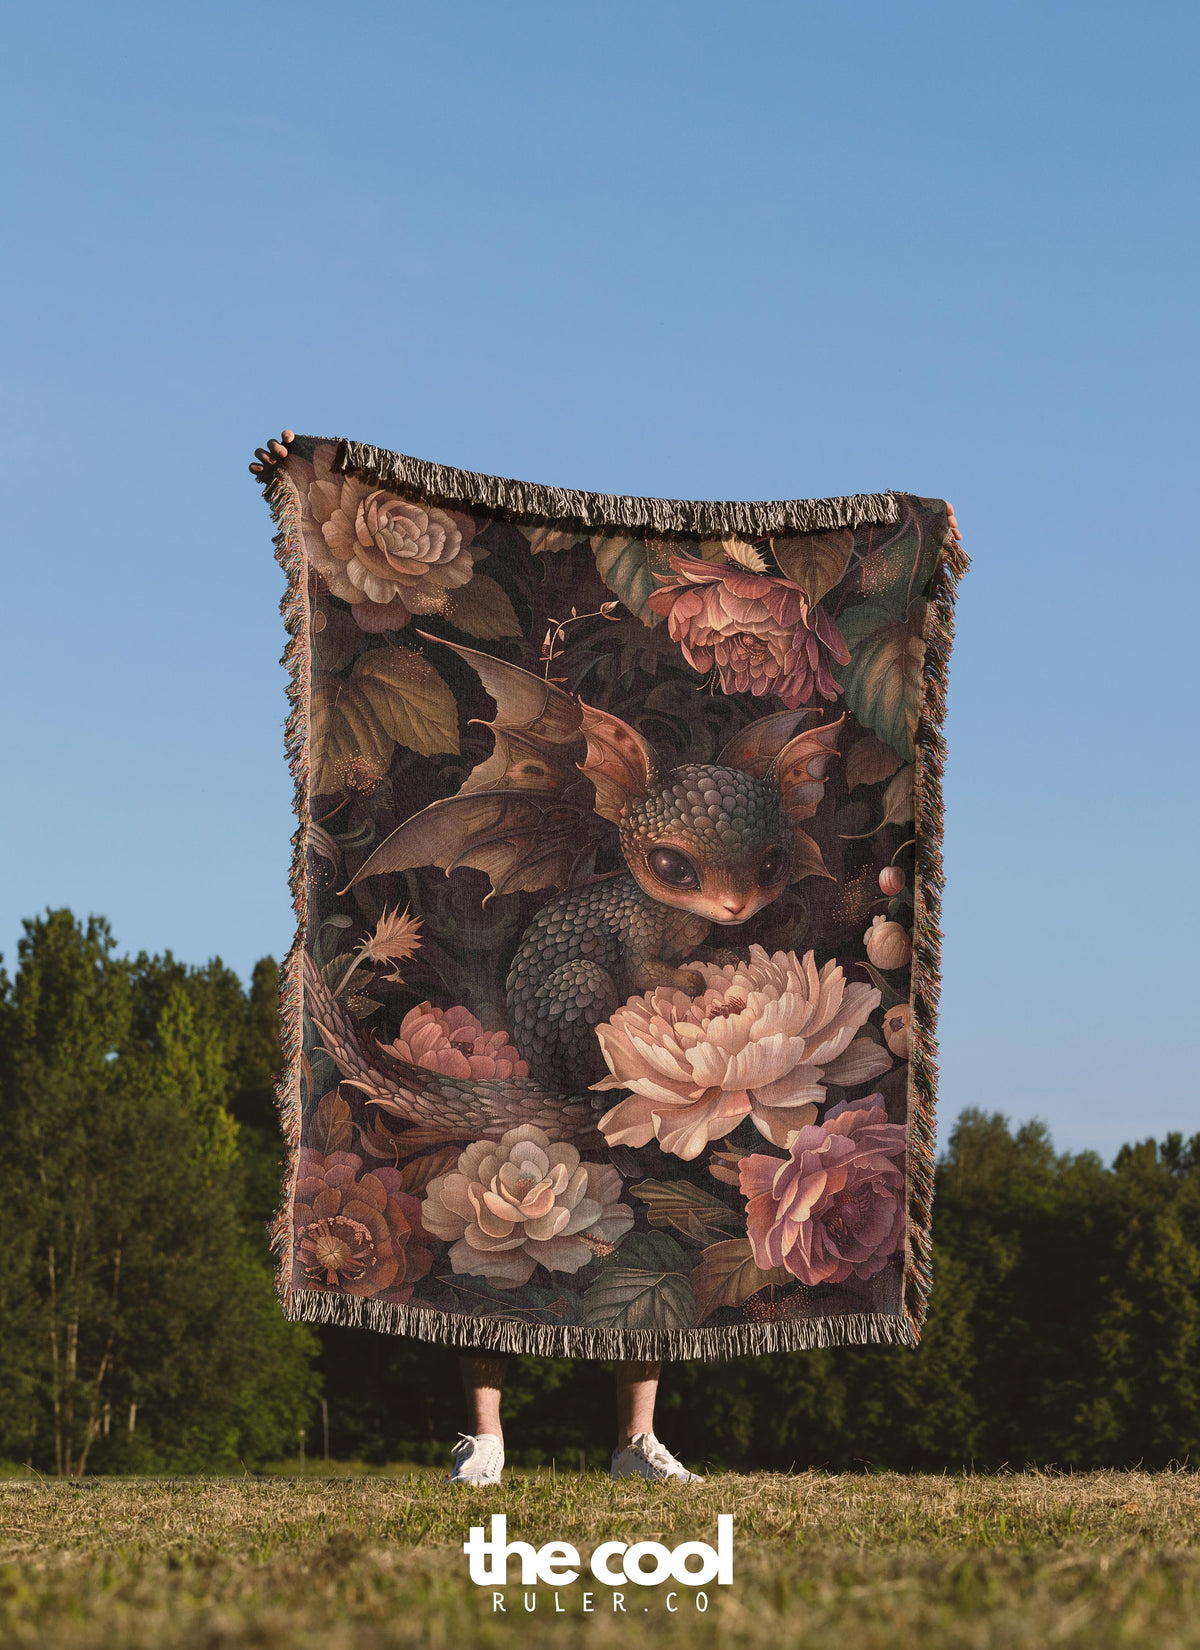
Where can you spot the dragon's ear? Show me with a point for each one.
(754, 749)
(799, 769)
(619, 763)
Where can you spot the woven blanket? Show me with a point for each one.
(610, 1016)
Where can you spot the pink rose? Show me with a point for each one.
(758, 631)
(834, 1207)
(452, 1042)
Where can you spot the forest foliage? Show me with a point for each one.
(140, 1162)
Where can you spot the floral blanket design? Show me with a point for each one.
(610, 1015)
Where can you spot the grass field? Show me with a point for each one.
(827, 1562)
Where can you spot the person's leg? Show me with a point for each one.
(483, 1382)
(479, 1454)
(637, 1388)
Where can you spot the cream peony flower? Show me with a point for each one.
(763, 1039)
(522, 1203)
(388, 557)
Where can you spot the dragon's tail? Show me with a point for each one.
(442, 1108)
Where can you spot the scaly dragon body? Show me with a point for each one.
(579, 959)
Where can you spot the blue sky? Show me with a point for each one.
(749, 250)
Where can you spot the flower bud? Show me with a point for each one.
(888, 945)
(896, 1030)
(891, 880)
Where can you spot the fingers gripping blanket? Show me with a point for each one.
(610, 1016)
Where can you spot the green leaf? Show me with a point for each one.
(814, 561)
(654, 1251)
(626, 1297)
(482, 609)
(532, 1303)
(893, 577)
(393, 696)
(899, 800)
(685, 1207)
(627, 567)
(643, 1285)
(884, 680)
(411, 703)
(869, 761)
(329, 1129)
(342, 727)
(727, 1274)
(336, 637)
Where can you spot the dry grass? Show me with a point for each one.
(1104, 1559)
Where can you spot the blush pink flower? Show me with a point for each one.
(761, 1040)
(522, 1202)
(388, 557)
(834, 1207)
(356, 1232)
(452, 1042)
(757, 629)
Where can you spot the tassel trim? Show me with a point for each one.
(546, 1340)
(529, 502)
(928, 883)
(295, 606)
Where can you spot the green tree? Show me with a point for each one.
(142, 1328)
(1145, 1344)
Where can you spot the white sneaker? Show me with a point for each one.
(477, 1460)
(645, 1457)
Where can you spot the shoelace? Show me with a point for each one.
(658, 1455)
(486, 1449)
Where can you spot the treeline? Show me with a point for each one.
(140, 1162)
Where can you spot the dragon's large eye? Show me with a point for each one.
(673, 868)
(774, 866)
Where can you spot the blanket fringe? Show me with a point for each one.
(528, 501)
(284, 501)
(546, 1340)
(927, 934)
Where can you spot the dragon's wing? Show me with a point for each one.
(799, 771)
(756, 747)
(537, 729)
(525, 815)
(523, 841)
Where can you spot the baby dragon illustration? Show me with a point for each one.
(703, 844)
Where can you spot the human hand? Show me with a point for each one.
(276, 451)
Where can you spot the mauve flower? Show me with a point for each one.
(757, 629)
(523, 1202)
(834, 1207)
(451, 1041)
(762, 1040)
(388, 557)
(355, 1232)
